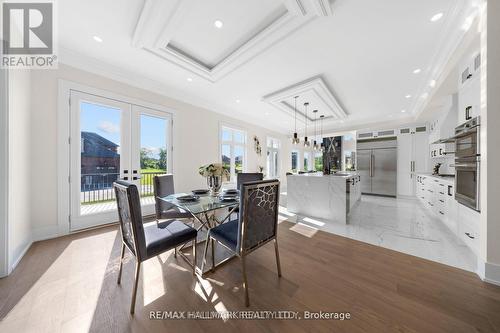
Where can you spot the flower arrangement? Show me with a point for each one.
(257, 147)
(213, 170)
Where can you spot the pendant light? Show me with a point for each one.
(322, 146)
(295, 139)
(315, 143)
(306, 142)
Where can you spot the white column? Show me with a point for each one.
(489, 259)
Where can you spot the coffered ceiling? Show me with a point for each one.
(353, 60)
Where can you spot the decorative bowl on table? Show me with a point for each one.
(230, 192)
(200, 192)
(188, 198)
(228, 198)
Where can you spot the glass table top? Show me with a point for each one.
(205, 203)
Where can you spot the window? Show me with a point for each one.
(233, 150)
(273, 157)
(295, 161)
(318, 161)
(306, 161)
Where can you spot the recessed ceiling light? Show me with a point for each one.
(189, 79)
(425, 95)
(416, 71)
(437, 17)
(267, 113)
(238, 101)
(432, 84)
(218, 24)
(403, 111)
(98, 39)
(408, 96)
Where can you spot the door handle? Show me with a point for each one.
(372, 165)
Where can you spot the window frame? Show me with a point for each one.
(298, 160)
(232, 144)
(308, 154)
(270, 149)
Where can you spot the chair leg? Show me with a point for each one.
(205, 254)
(213, 255)
(175, 252)
(134, 291)
(245, 282)
(195, 261)
(278, 264)
(121, 265)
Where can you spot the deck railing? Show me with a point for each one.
(98, 187)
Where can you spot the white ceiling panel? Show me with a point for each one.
(199, 39)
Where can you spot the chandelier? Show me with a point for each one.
(295, 139)
(315, 143)
(322, 146)
(306, 142)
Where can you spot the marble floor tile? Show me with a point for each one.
(402, 225)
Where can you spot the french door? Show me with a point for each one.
(111, 140)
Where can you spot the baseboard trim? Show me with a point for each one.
(19, 257)
(491, 273)
(46, 232)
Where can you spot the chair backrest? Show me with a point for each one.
(245, 177)
(130, 216)
(258, 217)
(163, 186)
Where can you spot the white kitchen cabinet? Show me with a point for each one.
(469, 95)
(413, 150)
(468, 227)
(438, 196)
(451, 218)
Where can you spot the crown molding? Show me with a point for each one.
(314, 86)
(153, 34)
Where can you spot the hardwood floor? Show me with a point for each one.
(69, 285)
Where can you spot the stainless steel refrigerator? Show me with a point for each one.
(377, 166)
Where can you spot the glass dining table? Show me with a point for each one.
(204, 211)
(204, 208)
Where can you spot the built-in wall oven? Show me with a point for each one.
(467, 164)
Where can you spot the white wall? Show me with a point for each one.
(4, 141)
(19, 165)
(196, 139)
(490, 141)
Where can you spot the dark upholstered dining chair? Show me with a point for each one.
(256, 225)
(164, 186)
(245, 177)
(145, 242)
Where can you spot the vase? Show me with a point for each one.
(214, 184)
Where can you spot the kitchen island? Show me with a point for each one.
(328, 197)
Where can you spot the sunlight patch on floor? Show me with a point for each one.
(304, 229)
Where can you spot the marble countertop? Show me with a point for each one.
(442, 178)
(344, 175)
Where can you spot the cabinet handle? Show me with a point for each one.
(469, 235)
(449, 190)
(440, 212)
(441, 193)
(441, 200)
(467, 113)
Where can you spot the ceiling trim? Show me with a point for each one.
(316, 86)
(154, 34)
(323, 7)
